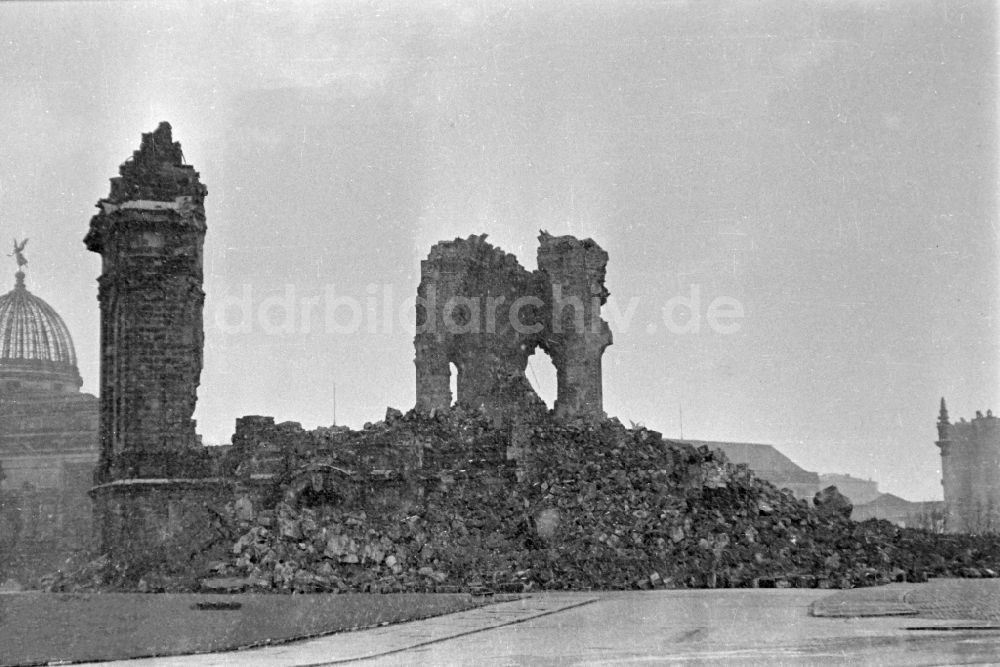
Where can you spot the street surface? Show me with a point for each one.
(731, 627)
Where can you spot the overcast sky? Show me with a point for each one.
(830, 166)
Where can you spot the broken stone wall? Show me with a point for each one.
(160, 525)
(480, 310)
(376, 467)
(467, 291)
(573, 274)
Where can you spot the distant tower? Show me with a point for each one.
(954, 480)
(149, 232)
(970, 472)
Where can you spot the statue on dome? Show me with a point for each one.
(19, 253)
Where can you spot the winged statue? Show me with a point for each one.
(19, 252)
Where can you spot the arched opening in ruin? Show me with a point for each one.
(453, 383)
(321, 485)
(541, 374)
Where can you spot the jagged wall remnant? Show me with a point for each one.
(970, 472)
(479, 309)
(154, 480)
(149, 232)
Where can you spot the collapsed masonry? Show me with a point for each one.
(429, 502)
(157, 489)
(480, 310)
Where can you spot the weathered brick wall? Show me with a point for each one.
(380, 467)
(150, 232)
(260, 446)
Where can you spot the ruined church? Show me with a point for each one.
(479, 310)
(480, 315)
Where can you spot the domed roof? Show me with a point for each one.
(36, 350)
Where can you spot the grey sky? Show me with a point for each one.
(830, 165)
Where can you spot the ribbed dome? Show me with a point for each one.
(36, 350)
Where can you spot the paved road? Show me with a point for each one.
(732, 627)
(971, 599)
(958, 598)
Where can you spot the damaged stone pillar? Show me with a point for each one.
(149, 232)
(577, 336)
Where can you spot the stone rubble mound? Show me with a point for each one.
(585, 506)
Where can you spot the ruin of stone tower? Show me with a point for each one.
(149, 231)
(480, 310)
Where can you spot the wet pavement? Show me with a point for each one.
(977, 599)
(732, 627)
(969, 599)
(382, 641)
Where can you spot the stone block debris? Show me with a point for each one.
(586, 506)
(831, 502)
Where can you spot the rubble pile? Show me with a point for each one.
(586, 505)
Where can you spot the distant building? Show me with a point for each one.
(902, 512)
(970, 472)
(48, 438)
(860, 491)
(769, 464)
